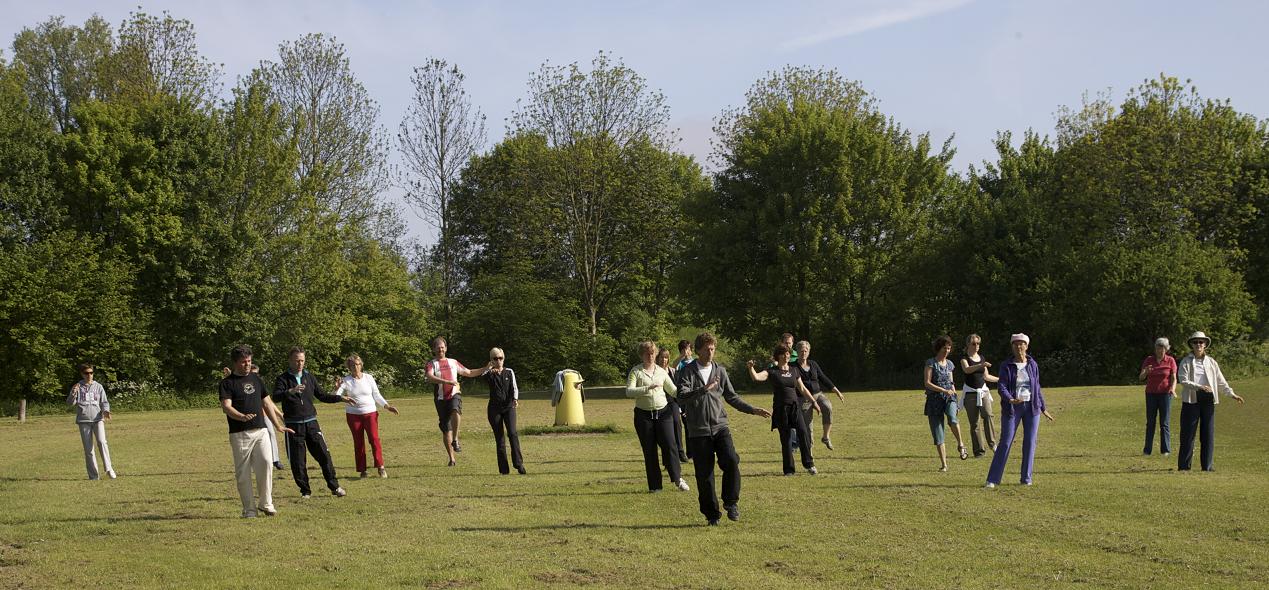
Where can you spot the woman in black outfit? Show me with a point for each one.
(817, 382)
(672, 406)
(786, 415)
(504, 398)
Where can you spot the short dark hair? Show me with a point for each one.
(786, 336)
(83, 367)
(240, 352)
(705, 339)
(940, 342)
(294, 351)
(779, 350)
(684, 345)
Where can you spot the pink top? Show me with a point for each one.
(1159, 374)
(447, 369)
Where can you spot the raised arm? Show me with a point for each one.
(758, 376)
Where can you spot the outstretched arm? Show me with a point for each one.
(758, 376)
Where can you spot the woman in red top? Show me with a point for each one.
(1159, 371)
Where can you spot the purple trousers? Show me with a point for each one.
(1010, 416)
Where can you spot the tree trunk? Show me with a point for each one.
(22, 410)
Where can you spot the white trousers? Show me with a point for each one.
(252, 455)
(88, 431)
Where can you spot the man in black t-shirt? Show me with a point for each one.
(245, 403)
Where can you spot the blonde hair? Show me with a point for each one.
(495, 351)
(353, 358)
(647, 345)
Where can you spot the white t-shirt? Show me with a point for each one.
(1200, 373)
(706, 371)
(1023, 387)
(364, 393)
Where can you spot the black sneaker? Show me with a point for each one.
(712, 522)
(521, 470)
(733, 512)
(457, 447)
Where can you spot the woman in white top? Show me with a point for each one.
(91, 406)
(1200, 379)
(977, 398)
(650, 385)
(363, 414)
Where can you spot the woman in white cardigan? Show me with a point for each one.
(1201, 380)
(650, 386)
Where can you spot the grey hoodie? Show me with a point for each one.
(702, 402)
(89, 401)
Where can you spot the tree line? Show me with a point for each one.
(149, 222)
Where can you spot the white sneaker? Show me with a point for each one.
(383, 472)
(990, 486)
(111, 473)
(339, 493)
(682, 485)
(812, 470)
(306, 496)
(268, 510)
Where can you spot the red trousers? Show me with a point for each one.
(368, 424)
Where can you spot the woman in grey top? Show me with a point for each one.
(91, 405)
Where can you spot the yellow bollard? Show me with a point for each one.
(569, 399)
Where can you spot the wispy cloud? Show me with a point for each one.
(891, 15)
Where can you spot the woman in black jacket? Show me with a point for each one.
(504, 398)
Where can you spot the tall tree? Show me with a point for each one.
(602, 125)
(440, 133)
(159, 56)
(63, 64)
(343, 151)
(820, 206)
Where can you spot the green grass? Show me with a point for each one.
(879, 515)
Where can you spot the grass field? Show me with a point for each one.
(879, 514)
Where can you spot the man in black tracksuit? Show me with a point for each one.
(702, 387)
(295, 390)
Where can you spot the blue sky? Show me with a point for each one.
(964, 67)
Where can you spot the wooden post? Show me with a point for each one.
(22, 410)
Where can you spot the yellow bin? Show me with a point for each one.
(568, 399)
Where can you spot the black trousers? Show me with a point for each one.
(672, 406)
(1200, 417)
(308, 435)
(656, 429)
(502, 419)
(704, 450)
(791, 421)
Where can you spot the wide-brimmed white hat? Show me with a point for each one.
(1198, 336)
(1019, 336)
(1163, 342)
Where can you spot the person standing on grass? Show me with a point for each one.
(941, 400)
(269, 426)
(91, 407)
(650, 386)
(702, 387)
(295, 390)
(1021, 402)
(245, 403)
(672, 406)
(977, 398)
(504, 398)
(1160, 374)
(362, 413)
(817, 382)
(1201, 378)
(444, 372)
(786, 415)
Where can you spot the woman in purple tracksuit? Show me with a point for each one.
(1021, 402)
